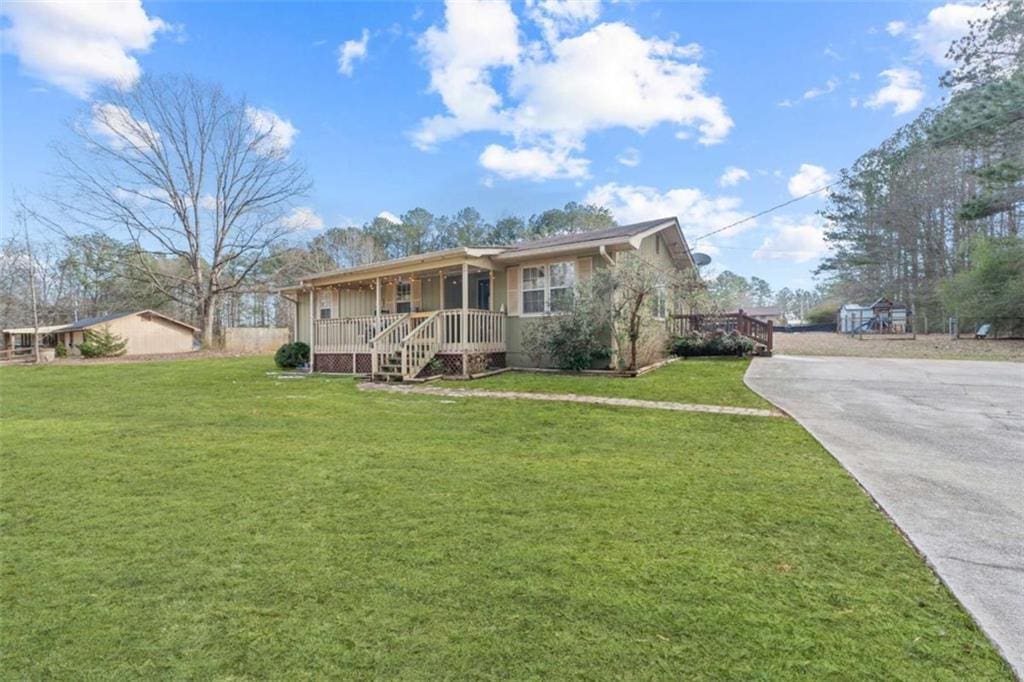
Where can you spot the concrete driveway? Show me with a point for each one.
(940, 445)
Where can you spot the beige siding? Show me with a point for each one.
(147, 336)
(301, 331)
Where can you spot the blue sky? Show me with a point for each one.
(708, 111)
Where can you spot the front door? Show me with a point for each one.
(483, 294)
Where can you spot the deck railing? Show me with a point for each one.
(349, 334)
(485, 331)
(389, 341)
(744, 325)
(421, 344)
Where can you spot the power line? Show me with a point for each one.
(776, 207)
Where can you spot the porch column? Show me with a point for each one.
(312, 327)
(376, 291)
(464, 325)
(490, 291)
(440, 278)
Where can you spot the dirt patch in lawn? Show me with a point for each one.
(932, 346)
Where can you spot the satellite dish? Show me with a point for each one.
(701, 259)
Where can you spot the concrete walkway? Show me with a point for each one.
(940, 445)
(569, 398)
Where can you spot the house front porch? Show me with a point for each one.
(407, 325)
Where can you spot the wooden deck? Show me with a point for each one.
(744, 325)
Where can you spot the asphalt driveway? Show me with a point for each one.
(940, 445)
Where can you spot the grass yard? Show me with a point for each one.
(207, 520)
(708, 381)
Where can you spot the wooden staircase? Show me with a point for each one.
(402, 350)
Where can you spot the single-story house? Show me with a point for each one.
(146, 332)
(882, 316)
(464, 310)
(765, 314)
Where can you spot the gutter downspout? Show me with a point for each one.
(604, 254)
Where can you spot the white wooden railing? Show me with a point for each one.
(421, 344)
(349, 334)
(389, 341)
(485, 331)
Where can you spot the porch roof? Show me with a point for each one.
(49, 329)
(475, 256)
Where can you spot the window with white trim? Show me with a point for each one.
(548, 288)
(403, 297)
(659, 303)
(325, 306)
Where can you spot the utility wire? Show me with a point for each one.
(935, 140)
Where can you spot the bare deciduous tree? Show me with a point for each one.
(189, 175)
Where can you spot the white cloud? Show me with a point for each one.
(558, 93)
(697, 212)
(276, 134)
(903, 91)
(830, 86)
(732, 176)
(629, 157)
(556, 17)
(831, 53)
(895, 28)
(303, 218)
(352, 51)
(120, 129)
(943, 26)
(808, 179)
(796, 241)
(390, 217)
(477, 37)
(79, 45)
(533, 163)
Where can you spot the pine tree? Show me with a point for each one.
(102, 344)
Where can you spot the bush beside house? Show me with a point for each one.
(292, 355)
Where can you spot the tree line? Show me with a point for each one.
(83, 275)
(926, 216)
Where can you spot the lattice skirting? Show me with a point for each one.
(451, 364)
(341, 363)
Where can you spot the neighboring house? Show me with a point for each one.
(881, 316)
(146, 331)
(768, 314)
(464, 310)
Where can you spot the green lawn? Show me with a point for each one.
(709, 381)
(203, 520)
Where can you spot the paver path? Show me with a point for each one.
(569, 398)
(940, 445)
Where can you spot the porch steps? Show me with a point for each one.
(390, 370)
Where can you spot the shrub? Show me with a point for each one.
(573, 343)
(102, 344)
(292, 355)
(716, 343)
(60, 350)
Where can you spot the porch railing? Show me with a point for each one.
(744, 325)
(389, 341)
(421, 344)
(349, 334)
(485, 331)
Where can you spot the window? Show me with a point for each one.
(548, 288)
(659, 303)
(325, 306)
(403, 297)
